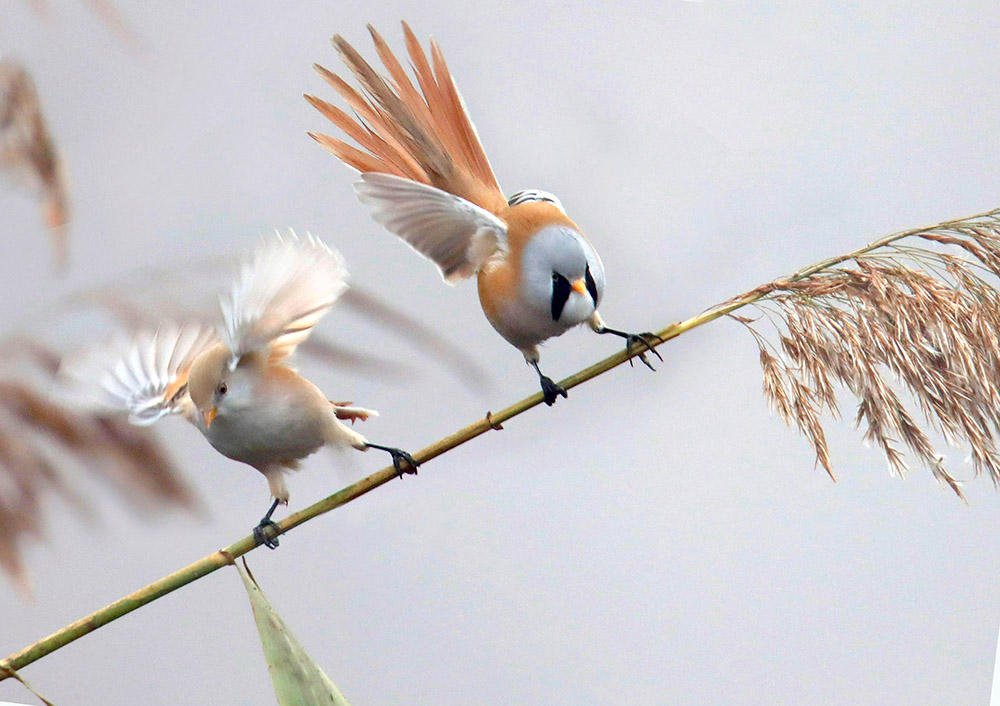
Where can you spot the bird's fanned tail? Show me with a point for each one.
(420, 132)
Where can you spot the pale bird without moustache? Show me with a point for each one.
(426, 178)
(236, 385)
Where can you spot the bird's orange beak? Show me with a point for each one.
(580, 287)
(209, 415)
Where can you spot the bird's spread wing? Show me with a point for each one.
(457, 235)
(144, 375)
(46, 443)
(279, 294)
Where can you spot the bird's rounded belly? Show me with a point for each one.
(521, 318)
(267, 436)
(525, 325)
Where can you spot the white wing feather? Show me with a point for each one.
(279, 294)
(143, 375)
(455, 234)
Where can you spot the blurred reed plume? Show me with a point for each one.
(28, 153)
(112, 18)
(105, 11)
(45, 446)
(918, 311)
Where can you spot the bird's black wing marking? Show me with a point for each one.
(534, 195)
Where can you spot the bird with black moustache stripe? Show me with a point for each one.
(426, 178)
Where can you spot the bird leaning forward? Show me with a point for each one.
(235, 383)
(426, 178)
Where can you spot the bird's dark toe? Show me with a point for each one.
(551, 391)
(399, 457)
(647, 340)
(261, 536)
(401, 461)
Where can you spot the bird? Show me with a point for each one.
(425, 177)
(234, 383)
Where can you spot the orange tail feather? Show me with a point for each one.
(425, 135)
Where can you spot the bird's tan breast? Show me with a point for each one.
(500, 291)
(288, 420)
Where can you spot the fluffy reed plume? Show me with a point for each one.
(28, 153)
(918, 311)
(45, 445)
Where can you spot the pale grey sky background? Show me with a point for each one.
(656, 538)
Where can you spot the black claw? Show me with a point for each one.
(258, 531)
(551, 390)
(398, 458)
(261, 536)
(646, 339)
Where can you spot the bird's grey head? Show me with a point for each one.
(562, 274)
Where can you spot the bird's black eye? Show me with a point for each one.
(223, 389)
(556, 276)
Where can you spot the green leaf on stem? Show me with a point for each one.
(298, 680)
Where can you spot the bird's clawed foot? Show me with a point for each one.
(551, 390)
(261, 536)
(644, 341)
(399, 458)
